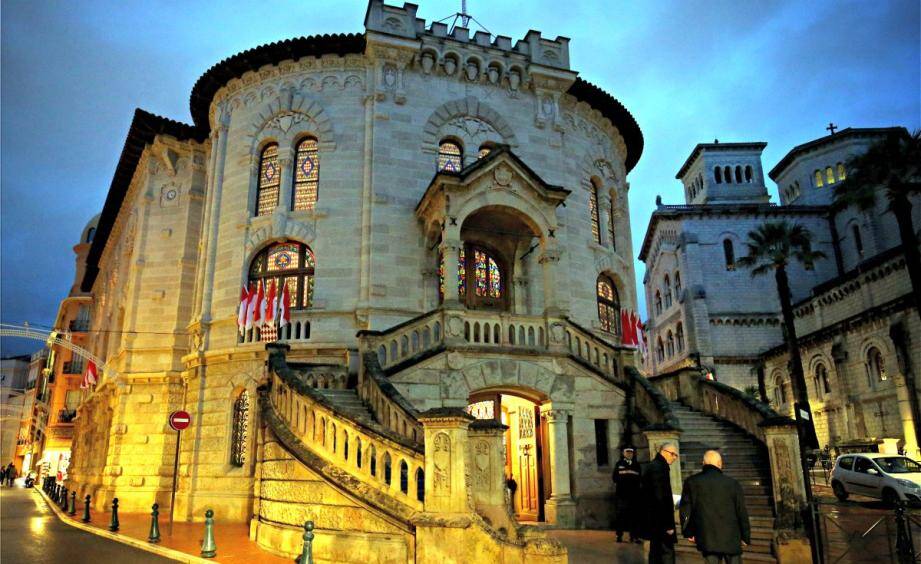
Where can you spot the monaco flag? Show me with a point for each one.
(250, 307)
(284, 308)
(260, 305)
(89, 376)
(271, 306)
(241, 312)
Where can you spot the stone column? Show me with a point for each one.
(787, 480)
(487, 472)
(560, 509)
(550, 263)
(220, 146)
(286, 184)
(446, 488)
(657, 438)
(450, 247)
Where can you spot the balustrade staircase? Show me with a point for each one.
(744, 459)
(348, 403)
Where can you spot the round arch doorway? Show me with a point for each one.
(526, 458)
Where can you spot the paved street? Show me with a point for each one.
(31, 533)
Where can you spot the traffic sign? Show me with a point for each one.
(179, 420)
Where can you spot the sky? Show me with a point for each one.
(71, 74)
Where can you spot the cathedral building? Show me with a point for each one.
(448, 212)
(859, 333)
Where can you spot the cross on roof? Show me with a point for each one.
(831, 127)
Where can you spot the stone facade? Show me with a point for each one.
(181, 229)
(852, 304)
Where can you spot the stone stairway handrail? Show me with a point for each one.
(386, 402)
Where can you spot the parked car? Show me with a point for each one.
(888, 477)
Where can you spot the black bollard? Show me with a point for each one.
(208, 548)
(72, 510)
(86, 509)
(154, 525)
(63, 501)
(113, 525)
(307, 553)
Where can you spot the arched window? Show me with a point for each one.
(729, 254)
(821, 380)
(372, 460)
(749, 177)
(660, 349)
(817, 176)
(239, 430)
(668, 292)
(658, 302)
(450, 157)
(306, 175)
(718, 175)
(593, 210)
(608, 305)
(358, 452)
(388, 468)
(288, 263)
(404, 477)
(611, 229)
(858, 240)
(679, 337)
(482, 270)
(484, 150)
(829, 175)
(677, 285)
(90, 233)
(780, 394)
(876, 367)
(269, 180)
(738, 174)
(842, 174)
(670, 344)
(420, 484)
(727, 174)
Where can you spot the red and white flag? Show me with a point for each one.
(89, 376)
(260, 305)
(640, 337)
(250, 306)
(284, 308)
(624, 339)
(634, 333)
(271, 306)
(241, 312)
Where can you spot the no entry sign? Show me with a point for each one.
(179, 420)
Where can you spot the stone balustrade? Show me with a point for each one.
(298, 330)
(389, 407)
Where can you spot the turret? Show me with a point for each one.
(718, 173)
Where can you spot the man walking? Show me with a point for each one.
(626, 478)
(660, 506)
(713, 513)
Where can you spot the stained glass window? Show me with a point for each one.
(462, 274)
(286, 263)
(269, 179)
(240, 429)
(487, 276)
(484, 150)
(450, 157)
(306, 175)
(608, 305)
(593, 210)
(441, 277)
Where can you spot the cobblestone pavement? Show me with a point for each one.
(31, 533)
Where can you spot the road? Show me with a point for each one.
(32, 533)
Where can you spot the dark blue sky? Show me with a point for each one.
(776, 71)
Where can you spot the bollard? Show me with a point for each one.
(72, 510)
(307, 554)
(208, 548)
(86, 509)
(113, 526)
(154, 535)
(63, 501)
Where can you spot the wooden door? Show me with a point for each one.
(543, 455)
(529, 506)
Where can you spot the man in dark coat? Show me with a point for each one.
(713, 513)
(660, 506)
(626, 478)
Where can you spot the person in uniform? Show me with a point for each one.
(626, 478)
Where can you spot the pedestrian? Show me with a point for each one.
(10, 474)
(512, 487)
(626, 478)
(2, 475)
(659, 505)
(713, 514)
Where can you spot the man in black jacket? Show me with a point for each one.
(626, 478)
(713, 513)
(660, 506)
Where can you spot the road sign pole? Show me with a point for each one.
(172, 502)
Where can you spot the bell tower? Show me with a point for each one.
(724, 173)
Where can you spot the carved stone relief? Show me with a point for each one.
(441, 460)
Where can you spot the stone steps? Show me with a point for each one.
(348, 402)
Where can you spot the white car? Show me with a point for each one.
(888, 477)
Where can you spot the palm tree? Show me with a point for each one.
(773, 247)
(891, 166)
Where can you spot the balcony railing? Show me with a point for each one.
(296, 331)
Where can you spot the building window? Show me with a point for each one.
(286, 263)
(450, 157)
(91, 232)
(240, 429)
(593, 210)
(738, 174)
(608, 305)
(842, 174)
(388, 468)
(485, 273)
(717, 175)
(858, 240)
(670, 344)
(780, 395)
(484, 150)
(729, 254)
(677, 285)
(829, 176)
(821, 381)
(749, 177)
(658, 302)
(679, 337)
(818, 179)
(404, 477)
(269, 180)
(601, 442)
(727, 174)
(420, 484)
(306, 175)
(876, 367)
(660, 349)
(668, 292)
(611, 232)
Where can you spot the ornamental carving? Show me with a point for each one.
(525, 423)
(441, 460)
(481, 460)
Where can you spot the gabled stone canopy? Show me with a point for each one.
(498, 180)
